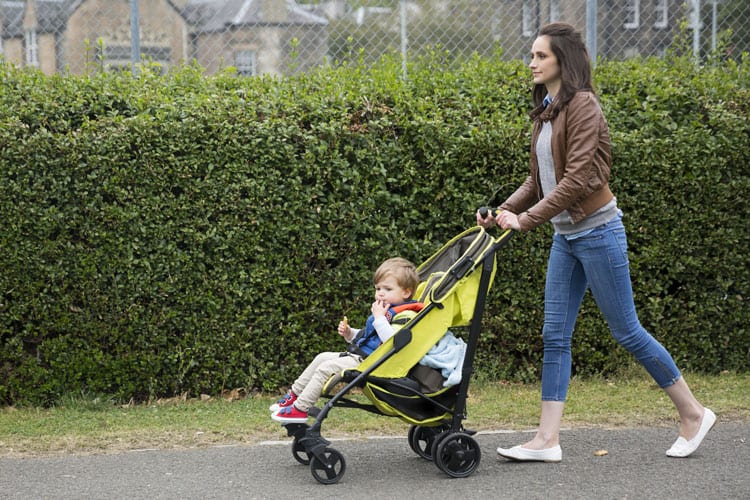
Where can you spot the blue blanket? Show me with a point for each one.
(448, 357)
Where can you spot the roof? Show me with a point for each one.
(12, 18)
(202, 15)
(51, 16)
(217, 15)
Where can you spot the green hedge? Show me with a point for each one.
(193, 233)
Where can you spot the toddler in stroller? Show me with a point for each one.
(395, 281)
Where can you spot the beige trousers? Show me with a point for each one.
(309, 385)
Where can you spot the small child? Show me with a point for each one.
(395, 282)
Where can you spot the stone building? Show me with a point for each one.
(79, 35)
(256, 36)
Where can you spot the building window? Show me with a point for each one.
(32, 49)
(554, 10)
(528, 17)
(632, 14)
(245, 62)
(661, 12)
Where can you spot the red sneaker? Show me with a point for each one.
(287, 399)
(290, 415)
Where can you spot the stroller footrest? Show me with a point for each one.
(349, 375)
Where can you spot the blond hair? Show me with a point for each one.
(402, 270)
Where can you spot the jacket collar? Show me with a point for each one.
(541, 113)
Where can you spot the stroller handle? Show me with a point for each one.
(484, 211)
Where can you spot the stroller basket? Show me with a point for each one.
(454, 283)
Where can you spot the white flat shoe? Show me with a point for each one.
(682, 447)
(522, 454)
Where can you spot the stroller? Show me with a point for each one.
(453, 286)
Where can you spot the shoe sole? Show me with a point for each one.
(519, 459)
(552, 461)
(289, 420)
(530, 460)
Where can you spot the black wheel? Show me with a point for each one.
(330, 469)
(299, 453)
(436, 442)
(457, 454)
(421, 440)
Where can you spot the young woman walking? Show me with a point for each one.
(569, 186)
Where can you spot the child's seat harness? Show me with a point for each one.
(367, 339)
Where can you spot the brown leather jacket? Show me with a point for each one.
(581, 152)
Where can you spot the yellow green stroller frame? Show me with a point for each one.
(454, 286)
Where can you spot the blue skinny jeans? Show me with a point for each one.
(599, 261)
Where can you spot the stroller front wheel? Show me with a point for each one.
(328, 467)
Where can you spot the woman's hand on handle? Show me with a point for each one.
(508, 220)
(489, 217)
(486, 217)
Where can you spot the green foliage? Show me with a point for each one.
(182, 233)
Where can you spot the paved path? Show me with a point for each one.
(635, 467)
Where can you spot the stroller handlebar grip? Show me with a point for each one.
(484, 211)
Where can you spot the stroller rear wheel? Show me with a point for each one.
(299, 452)
(329, 467)
(421, 439)
(457, 454)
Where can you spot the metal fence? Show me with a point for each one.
(288, 36)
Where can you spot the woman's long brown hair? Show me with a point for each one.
(575, 66)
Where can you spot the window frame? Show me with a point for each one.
(31, 48)
(248, 66)
(632, 14)
(661, 12)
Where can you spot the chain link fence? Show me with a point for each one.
(287, 36)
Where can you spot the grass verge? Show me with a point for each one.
(91, 425)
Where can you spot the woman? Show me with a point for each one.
(568, 185)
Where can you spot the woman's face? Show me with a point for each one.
(545, 68)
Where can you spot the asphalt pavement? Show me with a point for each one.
(634, 467)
